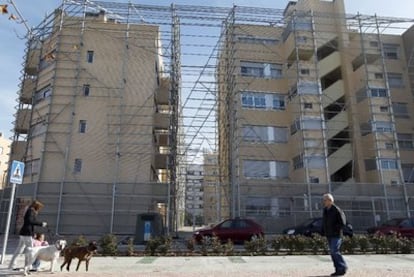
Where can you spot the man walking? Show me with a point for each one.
(333, 222)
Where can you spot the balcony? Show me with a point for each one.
(161, 138)
(161, 121)
(23, 121)
(29, 85)
(159, 189)
(163, 92)
(340, 158)
(32, 62)
(304, 43)
(368, 52)
(18, 150)
(161, 161)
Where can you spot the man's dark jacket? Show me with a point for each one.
(29, 222)
(333, 221)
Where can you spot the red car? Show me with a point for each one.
(402, 226)
(237, 230)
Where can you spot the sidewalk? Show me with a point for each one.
(240, 266)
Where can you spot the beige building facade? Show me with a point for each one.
(323, 102)
(93, 123)
(4, 159)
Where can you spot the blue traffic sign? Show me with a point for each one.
(16, 173)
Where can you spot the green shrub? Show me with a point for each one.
(363, 243)
(216, 245)
(109, 245)
(317, 244)
(256, 246)
(349, 245)
(228, 248)
(190, 244)
(79, 241)
(130, 247)
(276, 243)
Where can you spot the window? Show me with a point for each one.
(89, 56)
(251, 69)
(408, 172)
(278, 102)
(315, 162)
(379, 76)
(378, 92)
(265, 169)
(260, 70)
(370, 164)
(257, 40)
(389, 145)
(391, 51)
(383, 109)
(383, 126)
(307, 105)
(77, 167)
(389, 164)
(306, 87)
(256, 169)
(86, 89)
(395, 80)
(304, 71)
(261, 100)
(295, 126)
(42, 94)
(297, 162)
(247, 100)
(82, 126)
(275, 71)
(405, 141)
(266, 134)
(373, 43)
(312, 124)
(314, 180)
(400, 110)
(255, 134)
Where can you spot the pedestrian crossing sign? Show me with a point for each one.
(16, 173)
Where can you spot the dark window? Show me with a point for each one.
(77, 168)
(307, 105)
(82, 126)
(86, 89)
(89, 56)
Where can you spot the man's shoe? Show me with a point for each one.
(33, 270)
(338, 273)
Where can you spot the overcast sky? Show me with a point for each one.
(12, 46)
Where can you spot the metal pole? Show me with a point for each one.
(6, 232)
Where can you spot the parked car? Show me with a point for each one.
(314, 226)
(237, 230)
(403, 226)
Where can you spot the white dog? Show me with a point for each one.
(49, 253)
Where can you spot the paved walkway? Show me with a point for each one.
(240, 266)
(310, 266)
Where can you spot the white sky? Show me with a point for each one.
(12, 48)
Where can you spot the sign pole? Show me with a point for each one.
(6, 233)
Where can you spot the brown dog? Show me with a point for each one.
(83, 253)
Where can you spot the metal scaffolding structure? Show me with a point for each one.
(199, 56)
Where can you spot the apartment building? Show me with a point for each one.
(93, 124)
(194, 192)
(319, 101)
(4, 159)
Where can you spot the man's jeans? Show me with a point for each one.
(334, 249)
